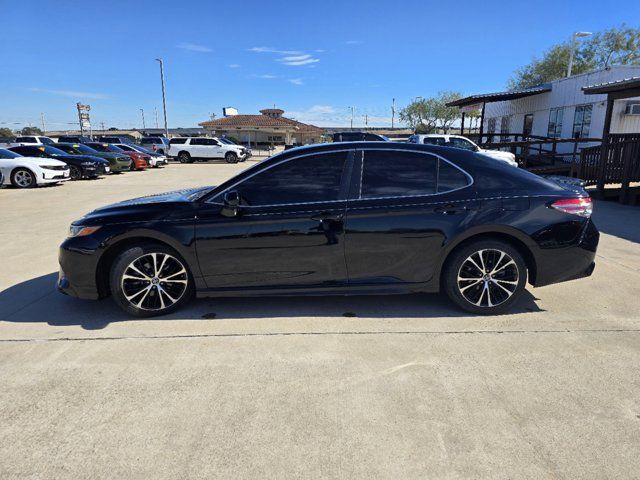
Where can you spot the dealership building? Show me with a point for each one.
(271, 127)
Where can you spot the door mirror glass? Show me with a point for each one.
(231, 204)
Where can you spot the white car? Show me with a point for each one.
(189, 149)
(156, 159)
(28, 172)
(31, 139)
(458, 141)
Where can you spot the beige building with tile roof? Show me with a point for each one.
(268, 128)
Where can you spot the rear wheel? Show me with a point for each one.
(23, 178)
(184, 157)
(485, 277)
(231, 157)
(149, 280)
(75, 173)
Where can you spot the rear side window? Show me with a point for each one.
(398, 174)
(178, 141)
(315, 178)
(433, 141)
(402, 174)
(26, 140)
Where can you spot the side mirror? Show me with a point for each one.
(231, 204)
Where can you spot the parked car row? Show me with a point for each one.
(28, 165)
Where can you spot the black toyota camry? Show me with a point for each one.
(346, 218)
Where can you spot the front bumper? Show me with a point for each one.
(77, 274)
(121, 166)
(53, 176)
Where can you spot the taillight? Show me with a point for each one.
(582, 206)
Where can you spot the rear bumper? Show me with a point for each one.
(566, 263)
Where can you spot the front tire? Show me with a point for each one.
(23, 178)
(75, 173)
(485, 277)
(231, 157)
(149, 280)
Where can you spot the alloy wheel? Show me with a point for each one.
(154, 281)
(488, 278)
(23, 179)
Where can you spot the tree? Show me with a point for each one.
(426, 115)
(6, 133)
(30, 131)
(616, 46)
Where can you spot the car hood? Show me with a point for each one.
(41, 161)
(186, 195)
(89, 158)
(498, 154)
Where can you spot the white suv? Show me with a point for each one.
(458, 141)
(189, 149)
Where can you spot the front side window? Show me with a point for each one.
(582, 121)
(555, 122)
(462, 143)
(433, 141)
(314, 178)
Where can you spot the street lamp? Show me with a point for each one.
(164, 101)
(574, 41)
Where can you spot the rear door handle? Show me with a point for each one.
(328, 217)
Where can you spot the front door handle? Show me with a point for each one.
(448, 209)
(328, 217)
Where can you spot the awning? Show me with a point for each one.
(500, 96)
(625, 84)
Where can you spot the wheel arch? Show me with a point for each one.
(22, 167)
(516, 239)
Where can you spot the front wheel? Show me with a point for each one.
(75, 173)
(231, 157)
(485, 277)
(149, 280)
(23, 178)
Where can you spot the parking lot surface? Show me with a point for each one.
(341, 387)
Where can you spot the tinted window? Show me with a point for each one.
(307, 179)
(433, 141)
(8, 154)
(175, 141)
(26, 140)
(31, 151)
(461, 143)
(99, 147)
(197, 141)
(392, 173)
(372, 137)
(126, 148)
(450, 178)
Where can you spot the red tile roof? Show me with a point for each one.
(262, 121)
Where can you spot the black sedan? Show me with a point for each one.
(81, 166)
(348, 218)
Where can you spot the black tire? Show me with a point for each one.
(23, 178)
(75, 173)
(185, 157)
(231, 157)
(154, 293)
(487, 285)
(161, 151)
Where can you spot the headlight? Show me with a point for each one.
(46, 167)
(88, 164)
(82, 231)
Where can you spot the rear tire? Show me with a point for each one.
(184, 157)
(485, 277)
(147, 280)
(23, 178)
(231, 157)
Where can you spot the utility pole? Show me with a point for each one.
(351, 117)
(44, 129)
(144, 125)
(366, 121)
(102, 126)
(155, 110)
(393, 111)
(164, 98)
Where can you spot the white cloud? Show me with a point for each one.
(265, 75)
(297, 63)
(192, 47)
(72, 93)
(294, 58)
(322, 109)
(234, 65)
(354, 42)
(274, 50)
(296, 81)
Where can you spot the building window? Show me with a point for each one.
(505, 125)
(527, 125)
(491, 128)
(582, 121)
(555, 123)
(276, 138)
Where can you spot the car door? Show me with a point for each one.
(288, 231)
(404, 205)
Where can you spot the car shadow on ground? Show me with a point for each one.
(617, 220)
(38, 301)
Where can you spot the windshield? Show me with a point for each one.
(52, 150)
(77, 149)
(8, 154)
(113, 148)
(227, 141)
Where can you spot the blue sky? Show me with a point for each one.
(312, 59)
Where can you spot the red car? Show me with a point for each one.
(140, 161)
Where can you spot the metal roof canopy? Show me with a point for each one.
(500, 96)
(625, 88)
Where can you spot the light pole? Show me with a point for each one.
(351, 117)
(144, 126)
(164, 99)
(574, 41)
(393, 111)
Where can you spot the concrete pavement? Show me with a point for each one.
(339, 387)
